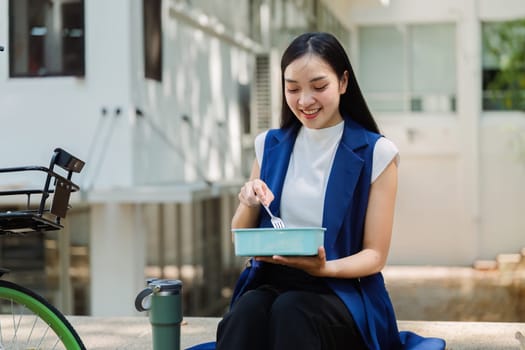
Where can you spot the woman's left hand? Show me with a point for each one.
(313, 265)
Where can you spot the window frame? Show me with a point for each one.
(407, 99)
(62, 72)
(152, 26)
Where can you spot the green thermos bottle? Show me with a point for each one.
(162, 298)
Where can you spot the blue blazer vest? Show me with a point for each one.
(346, 201)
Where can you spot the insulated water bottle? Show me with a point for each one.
(162, 298)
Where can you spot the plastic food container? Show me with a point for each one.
(278, 241)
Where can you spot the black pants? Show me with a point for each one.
(268, 319)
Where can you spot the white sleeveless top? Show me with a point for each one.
(302, 199)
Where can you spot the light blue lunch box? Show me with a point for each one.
(278, 241)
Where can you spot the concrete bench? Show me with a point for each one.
(135, 333)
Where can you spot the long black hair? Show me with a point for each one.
(326, 46)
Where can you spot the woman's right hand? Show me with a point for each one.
(252, 194)
(255, 192)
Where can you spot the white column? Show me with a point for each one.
(118, 249)
(469, 113)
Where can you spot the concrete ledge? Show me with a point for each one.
(471, 335)
(135, 333)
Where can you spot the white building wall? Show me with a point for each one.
(191, 124)
(459, 182)
(39, 114)
(94, 117)
(131, 159)
(184, 130)
(502, 169)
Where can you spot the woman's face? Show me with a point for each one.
(312, 91)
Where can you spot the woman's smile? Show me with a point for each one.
(310, 113)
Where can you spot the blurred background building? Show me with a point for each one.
(163, 98)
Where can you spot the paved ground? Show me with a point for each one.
(135, 333)
(105, 333)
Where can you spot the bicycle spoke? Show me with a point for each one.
(31, 332)
(15, 324)
(29, 322)
(1, 337)
(43, 336)
(27, 331)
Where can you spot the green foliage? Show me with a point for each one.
(504, 45)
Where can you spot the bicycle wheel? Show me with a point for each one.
(29, 322)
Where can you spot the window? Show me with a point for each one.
(152, 39)
(503, 62)
(46, 37)
(408, 67)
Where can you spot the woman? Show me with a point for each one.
(327, 165)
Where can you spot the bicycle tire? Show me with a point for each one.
(29, 321)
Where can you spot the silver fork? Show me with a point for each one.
(277, 222)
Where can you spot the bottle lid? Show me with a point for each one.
(172, 286)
